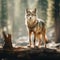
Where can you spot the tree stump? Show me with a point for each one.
(7, 40)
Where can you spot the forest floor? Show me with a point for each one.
(22, 53)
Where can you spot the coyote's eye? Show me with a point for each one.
(33, 14)
(28, 14)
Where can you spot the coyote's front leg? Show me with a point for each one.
(34, 39)
(30, 38)
(45, 40)
(39, 38)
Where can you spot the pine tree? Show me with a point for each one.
(42, 9)
(10, 21)
(3, 13)
(50, 14)
(57, 20)
(19, 19)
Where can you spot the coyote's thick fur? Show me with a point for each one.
(35, 25)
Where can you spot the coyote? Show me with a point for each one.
(35, 26)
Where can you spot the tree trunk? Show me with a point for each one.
(3, 13)
(50, 14)
(57, 21)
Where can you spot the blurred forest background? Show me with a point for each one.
(12, 16)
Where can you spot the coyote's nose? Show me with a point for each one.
(30, 17)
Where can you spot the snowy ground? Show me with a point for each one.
(24, 41)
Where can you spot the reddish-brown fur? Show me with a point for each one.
(39, 31)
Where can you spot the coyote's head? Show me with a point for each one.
(31, 16)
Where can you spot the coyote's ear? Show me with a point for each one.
(34, 11)
(27, 10)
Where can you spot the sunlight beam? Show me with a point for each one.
(32, 4)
